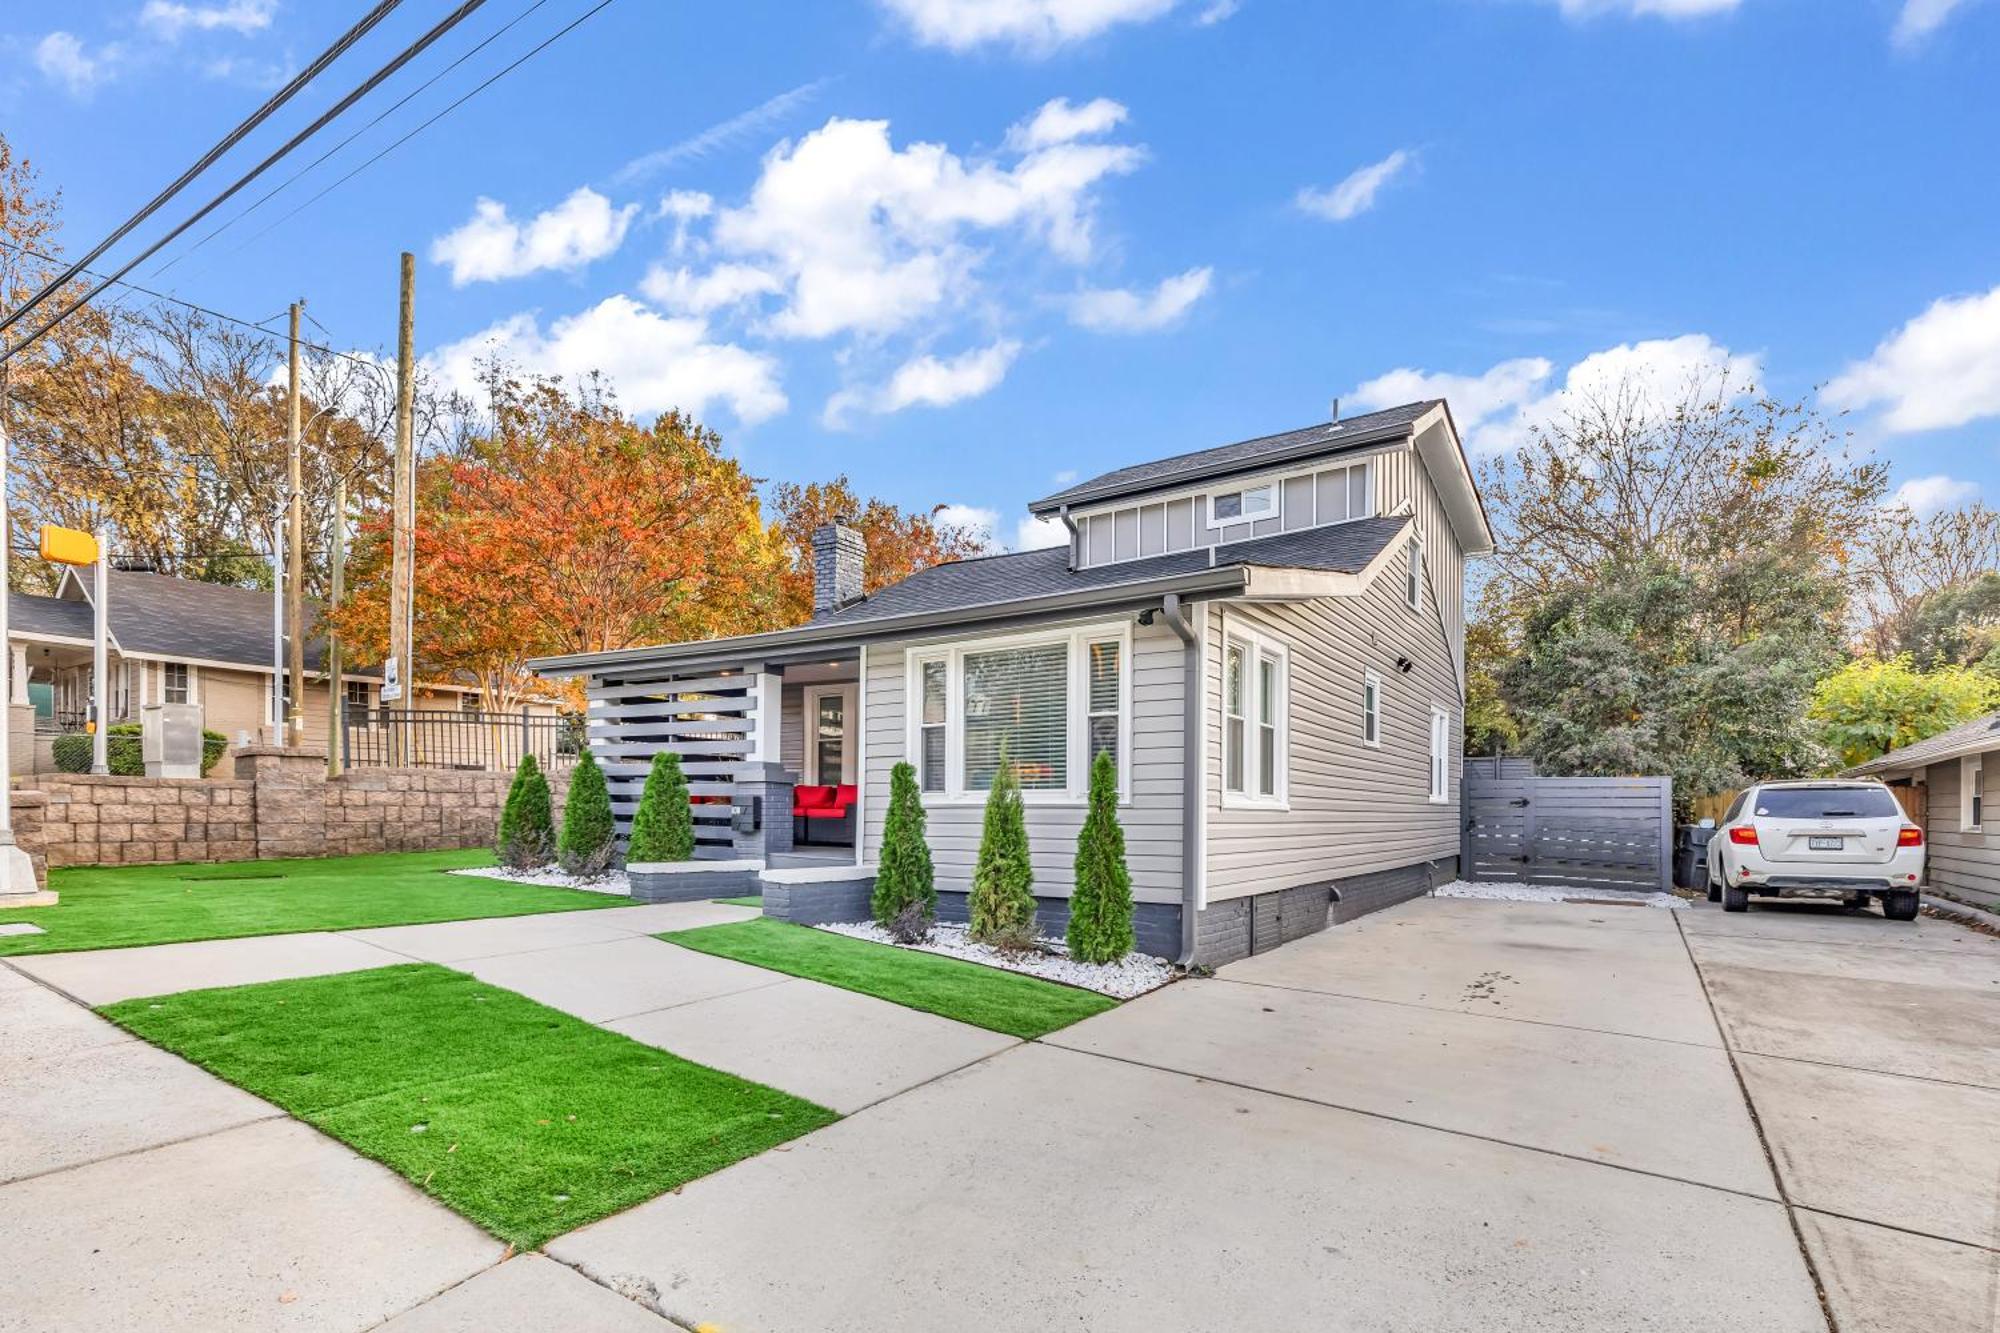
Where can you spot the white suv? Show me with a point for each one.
(1817, 839)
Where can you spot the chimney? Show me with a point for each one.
(840, 563)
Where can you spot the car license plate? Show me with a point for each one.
(1832, 844)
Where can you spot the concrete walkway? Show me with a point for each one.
(1453, 1115)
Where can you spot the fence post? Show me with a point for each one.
(1666, 835)
(528, 736)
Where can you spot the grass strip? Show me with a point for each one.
(987, 997)
(522, 1118)
(752, 900)
(116, 907)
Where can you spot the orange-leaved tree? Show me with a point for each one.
(900, 542)
(568, 527)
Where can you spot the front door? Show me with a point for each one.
(829, 718)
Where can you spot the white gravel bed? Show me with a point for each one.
(1515, 892)
(612, 882)
(1134, 974)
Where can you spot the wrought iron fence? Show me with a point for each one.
(444, 738)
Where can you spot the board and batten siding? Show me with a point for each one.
(1966, 864)
(1151, 814)
(1352, 809)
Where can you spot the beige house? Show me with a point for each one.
(1954, 780)
(181, 641)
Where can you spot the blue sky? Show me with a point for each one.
(964, 249)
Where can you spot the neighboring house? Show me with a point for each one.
(177, 641)
(1958, 773)
(1268, 637)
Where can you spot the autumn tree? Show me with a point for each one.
(1872, 706)
(900, 542)
(1910, 562)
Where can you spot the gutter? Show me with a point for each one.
(1192, 769)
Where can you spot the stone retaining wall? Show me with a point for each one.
(279, 804)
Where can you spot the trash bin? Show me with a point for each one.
(1691, 856)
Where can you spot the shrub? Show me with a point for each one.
(527, 827)
(903, 878)
(663, 826)
(1100, 908)
(1000, 903)
(588, 835)
(912, 925)
(124, 752)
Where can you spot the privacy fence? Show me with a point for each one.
(1587, 833)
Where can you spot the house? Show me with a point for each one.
(1956, 775)
(174, 641)
(1268, 637)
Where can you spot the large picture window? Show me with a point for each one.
(1048, 704)
(1254, 719)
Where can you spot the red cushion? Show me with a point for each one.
(845, 795)
(805, 798)
(823, 812)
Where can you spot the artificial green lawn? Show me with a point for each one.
(532, 1122)
(752, 900)
(1010, 1002)
(111, 907)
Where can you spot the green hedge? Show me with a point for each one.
(123, 750)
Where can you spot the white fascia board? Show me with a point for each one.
(1443, 456)
(1274, 583)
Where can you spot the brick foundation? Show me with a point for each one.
(1236, 928)
(279, 804)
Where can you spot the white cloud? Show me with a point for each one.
(682, 291)
(686, 205)
(1059, 122)
(1356, 194)
(724, 134)
(924, 381)
(1941, 369)
(871, 238)
(1920, 18)
(1497, 410)
(655, 362)
(1217, 12)
(170, 19)
(1032, 26)
(63, 59)
(1924, 496)
(1034, 534)
(492, 245)
(1666, 9)
(1118, 310)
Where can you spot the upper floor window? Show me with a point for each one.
(174, 683)
(1246, 505)
(1413, 576)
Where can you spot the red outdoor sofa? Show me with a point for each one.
(810, 803)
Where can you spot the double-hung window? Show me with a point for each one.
(1047, 705)
(1440, 754)
(1371, 709)
(1972, 793)
(174, 683)
(1254, 720)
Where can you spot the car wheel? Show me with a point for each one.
(1735, 898)
(1900, 905)
(1714, 890)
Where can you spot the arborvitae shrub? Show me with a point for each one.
(527, 828)
(903, 877)
(1100, 910)
(587, 843)
(663, 826)
(1001, 905)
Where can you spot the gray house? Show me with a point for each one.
(1268, 637)
(1957, 774)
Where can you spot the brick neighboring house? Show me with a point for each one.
(176, 641)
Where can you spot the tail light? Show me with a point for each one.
(1744, 835)
(1910, 836)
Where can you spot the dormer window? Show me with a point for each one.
(1246, 505)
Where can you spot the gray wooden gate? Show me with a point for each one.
(1586, 833)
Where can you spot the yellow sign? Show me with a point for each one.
(67, 546)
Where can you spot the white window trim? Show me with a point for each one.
(850, 693)
(1413, 577)
(1440, 755)
(1078, 638)
(1276, 480)
(1277, 509)
(1373, 678)
(1971, 778)
(1255, 645)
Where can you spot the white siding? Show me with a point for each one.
(1966, 864)
(1151, 816)
(1306, 499)
(1402, 477)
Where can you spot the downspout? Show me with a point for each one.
(1193, 768)
(1070, 523)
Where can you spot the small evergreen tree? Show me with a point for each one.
(1100, 910)
(527, 827)
(1001, 908)
(903, 875)
(663, 826)
(587, 843)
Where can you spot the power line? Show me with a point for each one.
(366, 86)
(208, 159)
(506, 70)
(386, 112)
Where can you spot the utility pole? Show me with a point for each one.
(403, 511)
(17, 873)
(295, 717)
(336, 690)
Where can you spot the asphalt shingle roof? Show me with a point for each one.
(1979, 734)
(998, 579)
(57, 617)
(1349, 432)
